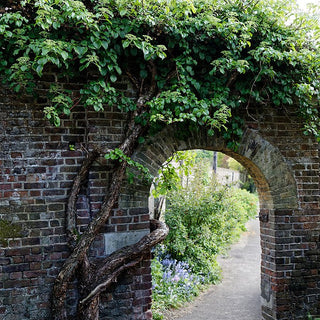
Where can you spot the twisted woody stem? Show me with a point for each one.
(81, 246)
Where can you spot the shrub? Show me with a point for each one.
(204, 218)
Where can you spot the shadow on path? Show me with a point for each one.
(237, 297)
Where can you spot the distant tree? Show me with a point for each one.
(222, 160)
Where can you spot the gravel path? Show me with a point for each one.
(237, 297)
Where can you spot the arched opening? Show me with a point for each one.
(273, 178)
(211, 188)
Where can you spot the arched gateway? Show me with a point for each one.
(37, 168)
(277, 187)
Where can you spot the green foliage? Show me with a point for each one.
(119, 155)
(172, 172)
(234, 165)
(204, 155)
(193, 61)
(222, 160)
(144, 44)
(203, 218)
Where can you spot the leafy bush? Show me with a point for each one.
(204, 218)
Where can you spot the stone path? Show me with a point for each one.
(237, 297)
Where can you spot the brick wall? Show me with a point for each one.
(285, 166)
(36, 172)
(37, 168)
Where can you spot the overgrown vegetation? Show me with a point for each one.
(204, 218)
(200, 59)
(190, 62)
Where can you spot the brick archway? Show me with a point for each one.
(273, 178)
(36, 172)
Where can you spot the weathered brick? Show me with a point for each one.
(16, 267)
(36, 173)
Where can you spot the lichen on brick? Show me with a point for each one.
(8, 230)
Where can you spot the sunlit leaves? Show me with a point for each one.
(49, 52)
(170, 173)
(55, 13)
(52, 115)
(118, 155)
(203, 216)
(144, 44)
(200, 58)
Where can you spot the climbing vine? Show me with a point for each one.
(204, 58)
(193, 62)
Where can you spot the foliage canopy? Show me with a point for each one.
(193, 61)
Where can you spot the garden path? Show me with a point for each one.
(237, 297)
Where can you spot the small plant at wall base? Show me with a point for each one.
(204, 218)
(192, 63)
(174, 283)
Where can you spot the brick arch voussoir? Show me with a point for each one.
(272, 175)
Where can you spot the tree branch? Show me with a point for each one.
(232, 78)
(141, 87)
(72, 201)
(91, 310)
(133, 79)
(71, 264)
(125, 258)
(111, 278)
(153, 86)
(172, 74)
(75, 259)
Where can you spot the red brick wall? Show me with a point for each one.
(36, 172)
(37, 168)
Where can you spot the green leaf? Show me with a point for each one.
(113, 78)
(24, 68)
(64, 55)
(39, 69)
(80, 50)
(126, 43)
(118, 69)
(17, 88)
(105, 44)
(143, 73)
(97, 44)
(141, 140)
(123, 12)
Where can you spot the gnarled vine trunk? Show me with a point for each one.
(94, 278)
